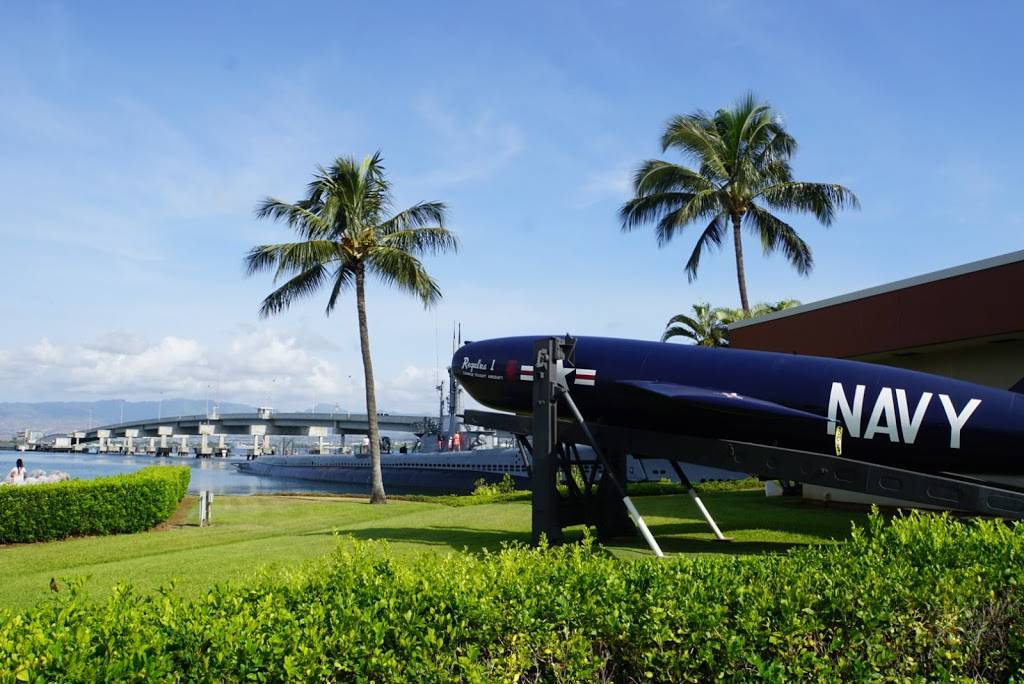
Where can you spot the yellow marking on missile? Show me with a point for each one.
(839, 440)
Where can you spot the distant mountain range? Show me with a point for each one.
(63, 416)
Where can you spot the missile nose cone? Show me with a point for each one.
(489, 370)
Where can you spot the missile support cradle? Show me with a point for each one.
(595, 496)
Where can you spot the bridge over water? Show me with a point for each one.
(259, 425)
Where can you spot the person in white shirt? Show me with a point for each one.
(17, 474)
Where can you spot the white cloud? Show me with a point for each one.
(259, 366)
(44, 353)
(117, 342)
(412, 388)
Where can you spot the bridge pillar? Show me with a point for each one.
(76, 441)
(257, 431)
(222, 448)
(266, 444)
(152, 446)
(183, 449)
(164, 431)
(129, 441)
(204, 435)
(320, 432)
(102, 436)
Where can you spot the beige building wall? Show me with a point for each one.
(997, 362)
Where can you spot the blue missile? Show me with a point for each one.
(884, 415)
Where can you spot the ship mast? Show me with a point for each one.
(454, 390)
(440, 408)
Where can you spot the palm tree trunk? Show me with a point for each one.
(741, 274)
(377, 483)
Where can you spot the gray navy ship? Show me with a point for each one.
(453, 458)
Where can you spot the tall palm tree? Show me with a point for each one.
(706, 327)
(347, 231)
(742, 170)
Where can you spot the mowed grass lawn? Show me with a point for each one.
(252, 534)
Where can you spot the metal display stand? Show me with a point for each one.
(604, 503)
(595, 494)
(771, 462)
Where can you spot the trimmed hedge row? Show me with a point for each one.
(922, 598)
(106, 505)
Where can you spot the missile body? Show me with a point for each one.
(890, 416)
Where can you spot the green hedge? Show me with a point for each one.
(665, 487)
(925, 598)
(106, 505)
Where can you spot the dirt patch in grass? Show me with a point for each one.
(180, 515)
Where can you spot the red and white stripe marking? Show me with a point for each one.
(581, 376)
(585, 376)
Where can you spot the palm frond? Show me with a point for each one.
(820, 199)
(776, 234)
(734, 127)
(418, 241)
(702, 205)
(710, 238)
(291, 257)
(651, 208)
(683, 319)
(297, 216)
(419, 215)
(344, 278)
(655, 176)
(694, 136)
(706, 328)
(302, 285)
(780, 146)
(395, 267)
(677, 332)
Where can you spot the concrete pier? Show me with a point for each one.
(129, 440)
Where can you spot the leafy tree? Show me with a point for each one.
(742, 172)
(347, 231)
(759, 309)
(706, 327)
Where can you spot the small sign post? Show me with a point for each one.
(205, 504)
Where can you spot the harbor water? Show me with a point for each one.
(217, 475)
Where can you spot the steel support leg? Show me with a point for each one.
(696, 499)
(633, 513)
(545, 513)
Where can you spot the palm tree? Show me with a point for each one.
(742, 170)
(347, 231)
(706, 327)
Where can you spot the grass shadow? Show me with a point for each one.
(674, 521)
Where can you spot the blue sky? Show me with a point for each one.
(137, 139)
